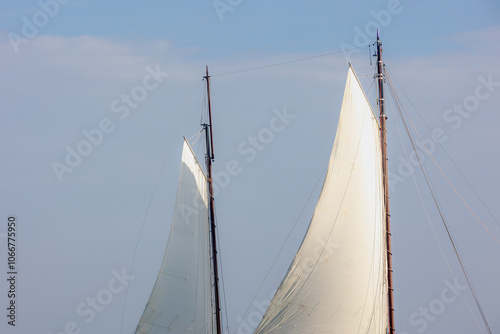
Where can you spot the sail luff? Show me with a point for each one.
(336, 282)
(181, 300)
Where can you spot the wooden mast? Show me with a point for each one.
(383, 139)
(209, 158)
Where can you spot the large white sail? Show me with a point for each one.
(182, 296)
(336, 282)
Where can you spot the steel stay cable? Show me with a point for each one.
(286, 62)
(434, 231)
(438, 207)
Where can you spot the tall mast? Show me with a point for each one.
(383, 139)
(209, 157)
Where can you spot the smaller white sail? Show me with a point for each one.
(182, 296)
(336, 282)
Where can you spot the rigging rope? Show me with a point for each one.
(432, 226)
(282, 246)
(445, 151)
(146, 213)
(197, 135)
(221, 271)
(438, 166)
(286, 62)
(402, 114)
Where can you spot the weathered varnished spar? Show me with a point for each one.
(209, 158)
(383, 139)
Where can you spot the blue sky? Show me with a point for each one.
(257, 26)
(113, 211)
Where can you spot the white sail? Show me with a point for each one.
(336, 282)
(181, 298)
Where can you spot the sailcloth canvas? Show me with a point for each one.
(181, 298)
(336, 282)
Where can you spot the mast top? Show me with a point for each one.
(206, 76)
(380, 76)
(209, 125)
